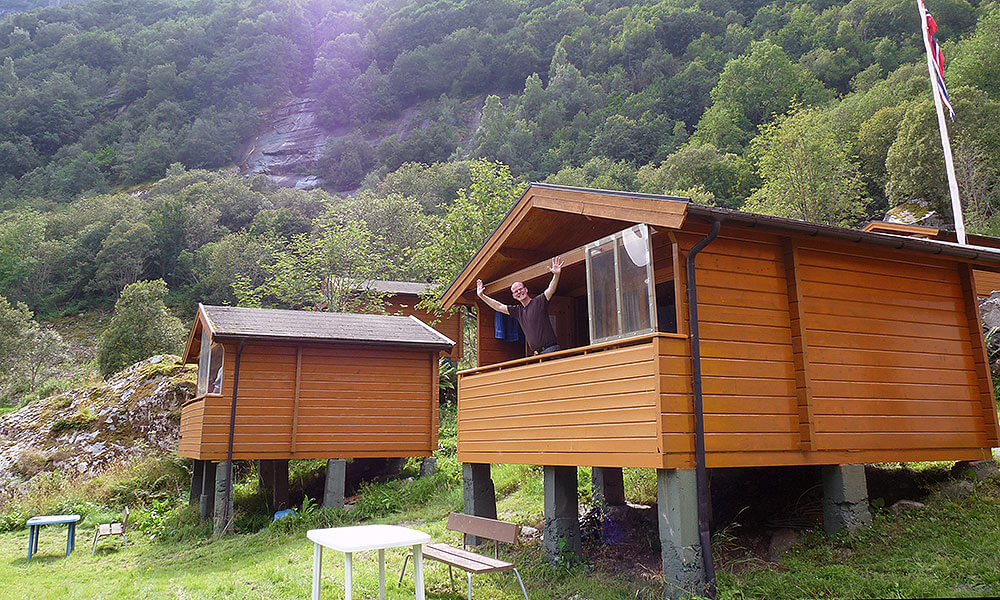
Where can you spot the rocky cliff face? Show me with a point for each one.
(135, 414)
(290, 142)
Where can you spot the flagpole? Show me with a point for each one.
(956, 204)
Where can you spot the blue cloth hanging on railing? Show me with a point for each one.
(506, 328)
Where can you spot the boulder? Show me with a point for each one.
(904, 505)
(989, 310)
(781, 541)
(980, 469)
(133, 415)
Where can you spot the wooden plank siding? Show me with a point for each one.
(858, 307)
(490, 350)
(318, 401)
(748, 365)
(596, 407)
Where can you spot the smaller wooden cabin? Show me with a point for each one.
(402, 297)
(308, 384)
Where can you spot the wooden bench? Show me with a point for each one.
(465, 559)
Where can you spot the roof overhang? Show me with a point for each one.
(549, 220)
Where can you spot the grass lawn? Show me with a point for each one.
(950, 548)
(273, 563)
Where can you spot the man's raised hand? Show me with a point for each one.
(556, 267)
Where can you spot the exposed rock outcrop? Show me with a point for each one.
(916, 212)
(290, 142)
(135, 414)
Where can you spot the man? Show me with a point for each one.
(532, 314)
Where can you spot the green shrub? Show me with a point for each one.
(140, 328)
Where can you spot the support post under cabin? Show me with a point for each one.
(608, 485)
(336, 480)
(206, 503)
(680, 548)
(223, 518)
(561, 533)
(279, 487)
(479, 494)
(845, 498)
(197, 480)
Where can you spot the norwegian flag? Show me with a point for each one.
(937, 57)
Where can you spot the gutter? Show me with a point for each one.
(701, 473)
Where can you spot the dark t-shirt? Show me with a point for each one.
(534, 321)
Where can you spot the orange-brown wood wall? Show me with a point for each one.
(318, 401)
(813, 352)
(450, 325)
(588, 409)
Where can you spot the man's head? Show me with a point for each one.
(519, 291)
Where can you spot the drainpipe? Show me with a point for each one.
(232, 434)
(701, 473)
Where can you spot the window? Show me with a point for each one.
(620, 285)
(209, 365)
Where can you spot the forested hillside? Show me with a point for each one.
(121, 120)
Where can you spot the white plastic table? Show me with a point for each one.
(35, 524)
(368, 537)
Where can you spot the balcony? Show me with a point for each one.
(598, 405)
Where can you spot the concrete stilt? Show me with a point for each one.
(561, 533)
(336, 478)
(479, 494)
(265, 476)
(428, 466)
(197, 479)
(677, 515)
(845, 498)
(279, 486)
(608, 485)
(206, 504)
(222, 522)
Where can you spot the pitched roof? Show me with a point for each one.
(348, 328)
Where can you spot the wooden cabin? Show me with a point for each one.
(987, 282)
(819, 345)
(310, 385)
(402, 297)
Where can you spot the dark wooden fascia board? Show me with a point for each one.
(628, 209)
(200, 320)
(465, 279)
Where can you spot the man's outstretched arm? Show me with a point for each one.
(555, 268)
(497, 306)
